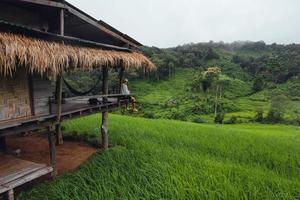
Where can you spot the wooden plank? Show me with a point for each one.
(3, 189)
(20, 173)
(41, 93)
(28, 178)
(15, 172)
(11, 165)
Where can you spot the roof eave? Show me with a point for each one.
(18, 29)
(86, 17)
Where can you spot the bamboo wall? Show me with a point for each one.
(14, 97)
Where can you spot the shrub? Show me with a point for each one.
(149, 115)
(259, 117)
(199, 120)
(176, 114)
(295, 98)
(274, 116)
(296, 117)
(202, 107)
(258, 84)
(278, 108)
(229, 106)
(219, 118)
(207, 106)
(232, 120)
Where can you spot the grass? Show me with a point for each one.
(163, 159)
(156, 93)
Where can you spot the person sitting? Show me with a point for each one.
(125, 91)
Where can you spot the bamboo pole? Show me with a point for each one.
(104, 126)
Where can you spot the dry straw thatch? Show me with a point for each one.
(52, 58)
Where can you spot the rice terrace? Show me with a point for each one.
(89, 112)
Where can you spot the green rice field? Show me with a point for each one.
(164, 159)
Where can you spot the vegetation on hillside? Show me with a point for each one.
(253, 75)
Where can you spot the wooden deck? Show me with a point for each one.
(72, 108)
(15, 172)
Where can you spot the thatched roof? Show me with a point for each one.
(52, 58)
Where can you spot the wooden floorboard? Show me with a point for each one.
(15, 172)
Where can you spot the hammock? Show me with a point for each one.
(79, 93)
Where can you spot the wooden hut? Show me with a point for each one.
(41, 40)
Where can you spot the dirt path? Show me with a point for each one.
(34, 147)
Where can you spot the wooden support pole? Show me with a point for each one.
(3, 144)
(10, 195)
(104, 125)
(62, 22)
(52, 151)
(59, 136)
(121, 78)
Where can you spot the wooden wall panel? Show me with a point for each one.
(41, 92)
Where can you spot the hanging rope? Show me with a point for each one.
(79, 93)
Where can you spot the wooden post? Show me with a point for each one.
(121, 78)
(52, 150)
(104, 125)
(3, 144)
(10, 195)
(59, 136)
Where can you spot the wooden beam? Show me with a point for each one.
(104, 125)
(80, 14)
(95, 23)
(42, 2)
(52, 150)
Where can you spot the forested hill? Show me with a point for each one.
(248, 81)
(248, 61)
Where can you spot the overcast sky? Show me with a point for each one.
(168, 23)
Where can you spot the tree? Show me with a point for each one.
(211, 76)
(278, 107)
(258, 84)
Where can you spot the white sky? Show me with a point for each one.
(168, 23)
